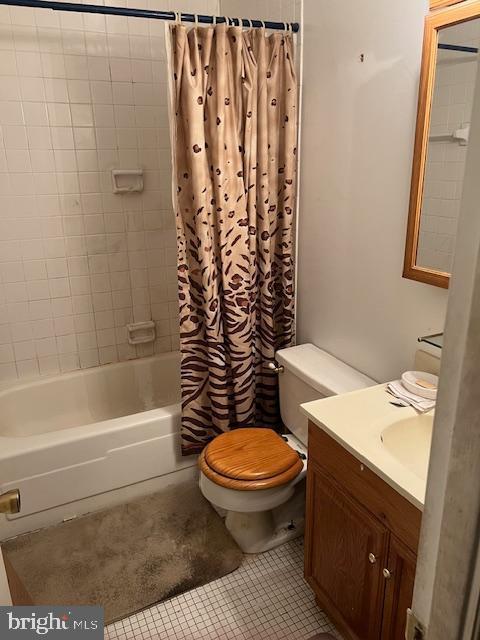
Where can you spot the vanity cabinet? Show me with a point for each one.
(398, 589)
(346, 583)
(360, 543)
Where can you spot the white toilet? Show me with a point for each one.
(255, 477)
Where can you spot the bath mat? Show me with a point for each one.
(127, 557)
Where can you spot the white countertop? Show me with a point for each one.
(356, 420)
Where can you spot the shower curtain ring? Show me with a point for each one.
(178, 17)
(195, 15)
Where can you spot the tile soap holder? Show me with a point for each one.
(141, 332)
(127, 180)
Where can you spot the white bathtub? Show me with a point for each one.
(85, 440)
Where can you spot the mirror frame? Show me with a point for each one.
(447, 16)
(436, 4)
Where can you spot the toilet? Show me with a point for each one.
(255, 477)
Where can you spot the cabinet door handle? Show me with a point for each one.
(386, 574)
(372, 558)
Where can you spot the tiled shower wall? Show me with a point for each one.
(451, 110)
(81, 94)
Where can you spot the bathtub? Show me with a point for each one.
(86, 440)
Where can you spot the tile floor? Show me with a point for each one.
(266, 598)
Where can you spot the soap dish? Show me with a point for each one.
(141, 332)
(421, 384)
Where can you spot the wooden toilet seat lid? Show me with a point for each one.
(251, 455)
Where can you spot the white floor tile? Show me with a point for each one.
(265, 598)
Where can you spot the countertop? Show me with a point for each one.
(356, 420)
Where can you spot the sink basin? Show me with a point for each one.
(409, 440)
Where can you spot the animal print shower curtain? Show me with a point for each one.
(234, 136)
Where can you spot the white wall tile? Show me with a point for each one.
(53, 65)
(28, 369)
(35, 113)
(79, 91)
(29, 64)
(21, 331)
(43, 328)
(78, 96)
(38, 290)
(49, 365)
(18, 161)
(15, 137)
(11, 113)
(62, 137)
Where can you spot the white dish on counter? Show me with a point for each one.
(410, 380)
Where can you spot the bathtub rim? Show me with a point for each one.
(48, 439)
(11, 445)
(38, 381)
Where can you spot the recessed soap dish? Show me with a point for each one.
(127, 180)
(141, 332)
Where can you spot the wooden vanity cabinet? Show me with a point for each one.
(360, 543)
(398, 590)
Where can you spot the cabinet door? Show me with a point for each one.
(345, 554)
(399, 589)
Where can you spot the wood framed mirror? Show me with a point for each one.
(447, 83)
(437, 4)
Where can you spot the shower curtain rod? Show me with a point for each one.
(146, 13)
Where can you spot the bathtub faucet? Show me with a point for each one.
(10, 501)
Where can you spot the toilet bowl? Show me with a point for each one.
(251, 492)
(254, 477)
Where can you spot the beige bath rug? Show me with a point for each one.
(125, 558)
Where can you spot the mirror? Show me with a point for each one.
(447, 87)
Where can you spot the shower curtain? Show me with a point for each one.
(234, 136)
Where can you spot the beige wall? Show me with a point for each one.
(356, 153)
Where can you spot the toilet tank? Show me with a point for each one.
(310, 374)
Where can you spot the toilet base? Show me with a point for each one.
(263, 519)
(258, 532)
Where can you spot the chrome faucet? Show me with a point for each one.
(10, 501)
